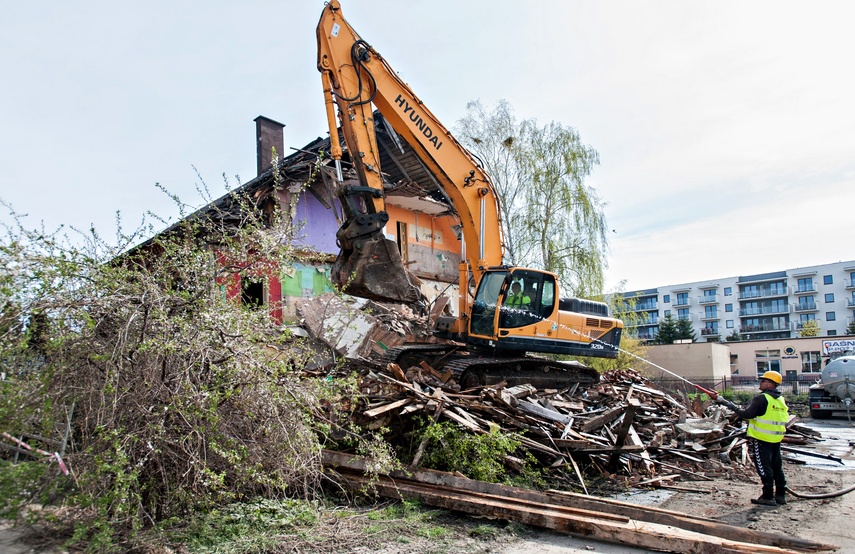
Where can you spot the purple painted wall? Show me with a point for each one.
(315, 225)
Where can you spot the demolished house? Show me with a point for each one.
(302, 185)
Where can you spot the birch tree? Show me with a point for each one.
(552, 219)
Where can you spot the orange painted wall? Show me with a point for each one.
(425, 230)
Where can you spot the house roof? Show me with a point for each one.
(407, 182)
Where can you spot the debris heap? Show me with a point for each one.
(623, 426)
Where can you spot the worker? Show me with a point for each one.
(767, 418)
(517, 299)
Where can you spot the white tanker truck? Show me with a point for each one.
(835, 391)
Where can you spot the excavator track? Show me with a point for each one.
(473, 370)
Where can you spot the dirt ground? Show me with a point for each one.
(829, 521)
(729, 501)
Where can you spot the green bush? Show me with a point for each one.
(477, 456)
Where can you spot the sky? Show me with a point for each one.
(726, 130)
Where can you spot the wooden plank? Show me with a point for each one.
(398, 373)
(388, 407)
(553, 503)
(462, 421)
(607, 417)
(635, 440)
(545, 413)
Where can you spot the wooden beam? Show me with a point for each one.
(579, 515)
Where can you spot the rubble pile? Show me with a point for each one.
(356, 328)
(622, 425)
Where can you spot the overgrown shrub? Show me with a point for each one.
(179, 397)
(477, 456)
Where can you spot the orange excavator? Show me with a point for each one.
(498, 327)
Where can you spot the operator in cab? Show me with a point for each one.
(767, 418)
(517, 298)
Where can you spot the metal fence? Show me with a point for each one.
(679, 387)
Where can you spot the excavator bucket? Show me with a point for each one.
(375, 270)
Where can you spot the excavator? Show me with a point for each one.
(502, 332)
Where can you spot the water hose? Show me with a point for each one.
(823, 495)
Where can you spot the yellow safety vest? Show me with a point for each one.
(518, 300)
(771, 426)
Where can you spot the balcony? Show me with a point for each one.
(765, 310)
(766, 328)
(765, 293)
(645, 306)
(805, 289)
(805, 307)
(850, 302)
(646, 336)
(706, 299)
(849, 284)
(682, 302)
(705, 332)
(799, 325)
(687, 317)
(647, 321)
(712, 316)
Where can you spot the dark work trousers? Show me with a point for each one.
(769, 464)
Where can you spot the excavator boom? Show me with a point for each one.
(494, 321)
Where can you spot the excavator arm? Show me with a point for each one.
(356, 78)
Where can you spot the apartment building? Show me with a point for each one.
(757, 307)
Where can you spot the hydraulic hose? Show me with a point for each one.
(823, 495)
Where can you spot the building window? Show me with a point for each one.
(252, 293)
(832, 333)
(806, 303)
(666, 299)
(683, 313)
(811, 362)
(728, 307)
(829, 298)
(729, 324)
(667, 313)
(827, 280)
(807, 317)
(830, 316)
(728, 291)
(710, 312)
(767, 365)
(805, 284)
(683, 299)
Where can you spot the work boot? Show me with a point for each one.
(780, 499)
(764, 501)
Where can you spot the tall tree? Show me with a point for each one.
(552, 220)
(667, 330)
(685, 330)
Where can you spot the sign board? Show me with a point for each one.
(830, 347)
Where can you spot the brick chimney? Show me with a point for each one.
(268, 134)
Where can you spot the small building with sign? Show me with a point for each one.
(796, 359)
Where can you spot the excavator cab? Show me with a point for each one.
(511, 298)
(519, 310)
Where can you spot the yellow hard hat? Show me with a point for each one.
(773, 376)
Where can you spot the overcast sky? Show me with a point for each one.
(726, 129)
